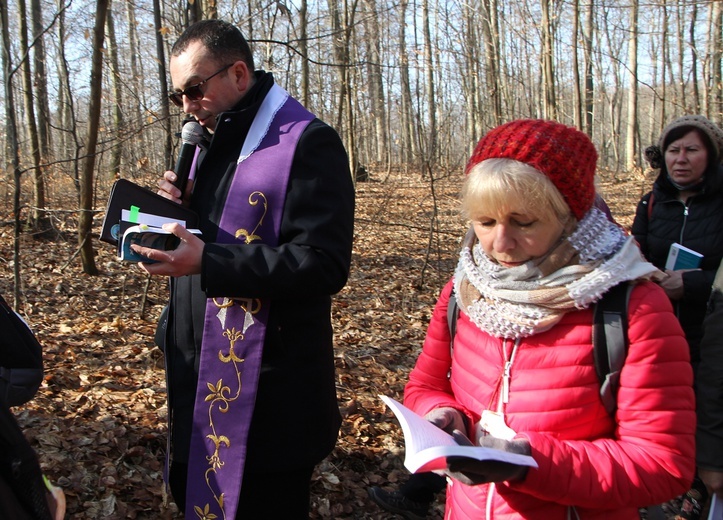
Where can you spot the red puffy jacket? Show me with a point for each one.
(591, 466)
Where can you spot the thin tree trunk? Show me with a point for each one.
(38, 183)
(548, 67)
(161, 55)
(118, 124)
(632, 123)
(85, 220)
(577, 91)
(431, 151)
(589, 71)
(304, 50)
(12, 145)
(40, 81)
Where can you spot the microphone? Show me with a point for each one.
(191, 135)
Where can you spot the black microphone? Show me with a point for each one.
(191, 135)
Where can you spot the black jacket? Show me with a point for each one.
(697, 225)
(296, 418)
(709, 384)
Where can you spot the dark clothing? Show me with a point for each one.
(296, 418)
(698, 225)
(281, 495)
(709, 384)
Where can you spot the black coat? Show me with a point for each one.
(698, 225)
(709, 384)
(296, 418)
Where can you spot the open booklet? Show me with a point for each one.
(427, 447)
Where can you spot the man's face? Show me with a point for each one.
(221, 90)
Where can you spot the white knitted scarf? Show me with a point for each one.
(524, 300)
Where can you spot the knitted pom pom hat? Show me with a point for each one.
(563, 154)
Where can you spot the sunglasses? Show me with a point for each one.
(194, 92)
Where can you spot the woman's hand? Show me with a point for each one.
(447, 419)
(673, 283)
(474, 472)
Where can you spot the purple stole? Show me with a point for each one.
(234, 328)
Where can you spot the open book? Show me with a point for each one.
(427, 447)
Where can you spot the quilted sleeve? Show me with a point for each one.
(650, 457)
(429, 387)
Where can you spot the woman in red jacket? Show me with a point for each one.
(522, 370)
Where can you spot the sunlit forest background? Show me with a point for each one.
(410, 85)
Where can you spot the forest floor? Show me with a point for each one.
(98, 422)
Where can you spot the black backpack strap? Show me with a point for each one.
(610, 341)
(452, 316)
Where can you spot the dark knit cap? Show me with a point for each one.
(562, 153)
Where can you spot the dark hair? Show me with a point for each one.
(223, 40)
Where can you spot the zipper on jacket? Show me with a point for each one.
(509, 360)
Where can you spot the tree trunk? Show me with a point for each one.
(632, 123)
(577, 91)
(118, 125)
(85, 220)
(375, 82)
(549, 107)
(28, 102)
(589, 71)
(162, 83)
(12, 145)
(431, 152)
(41, 82)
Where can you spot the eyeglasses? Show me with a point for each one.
(194, 92)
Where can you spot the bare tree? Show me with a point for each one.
(632, 123)
(548, 67)
(30, 122)
(12, 145)
(85, 220)
(117, 105)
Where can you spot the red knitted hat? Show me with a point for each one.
(563, 154)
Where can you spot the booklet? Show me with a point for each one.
(147, 236)
(427, 447)
(681, 257)
(134, 200)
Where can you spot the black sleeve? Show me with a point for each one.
(314, 251)
(640, 224)
(709, 383)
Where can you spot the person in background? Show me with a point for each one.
(709, 393)
(248, 337)
(521, 375)
(685, 206)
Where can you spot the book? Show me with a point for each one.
(681, 257)
(147, 236)
(136, 200)
(427, 447)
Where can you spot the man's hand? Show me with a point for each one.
(713, 480)
(182, 261)
(474, 472)
(447, 419)
(167, 189)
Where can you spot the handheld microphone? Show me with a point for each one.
(191, 135)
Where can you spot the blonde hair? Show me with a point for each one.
(494, 186)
